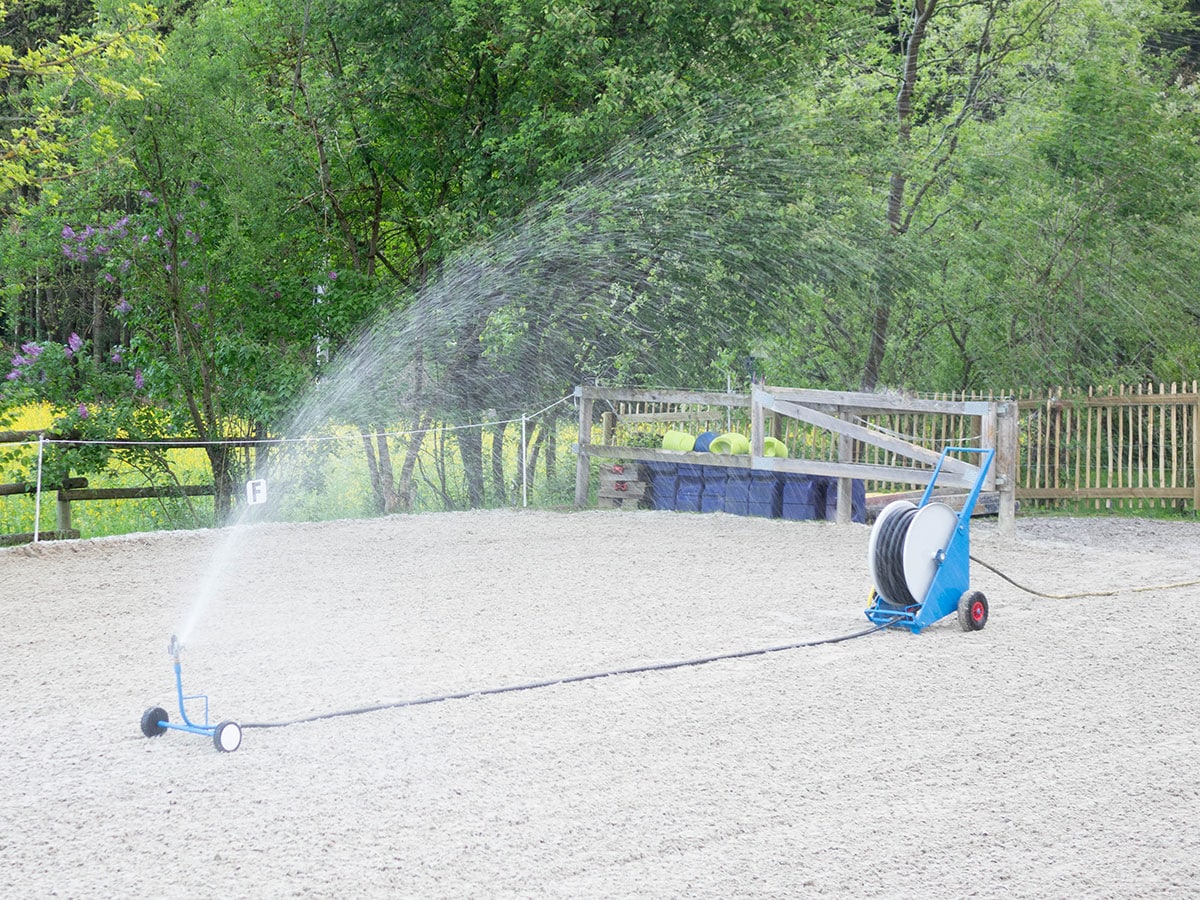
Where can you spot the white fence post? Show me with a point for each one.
(37, 504)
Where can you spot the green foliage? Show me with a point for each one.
(370, 211)
(90, 401)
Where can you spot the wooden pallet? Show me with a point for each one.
(621, 487)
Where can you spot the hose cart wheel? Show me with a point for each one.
(972, 611)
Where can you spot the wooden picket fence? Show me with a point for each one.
(1120, 447)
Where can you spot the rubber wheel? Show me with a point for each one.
(151, 719)
(972, 611)
(227, 737)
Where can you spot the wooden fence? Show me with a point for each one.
(837, 434)
(1119, 447)
(1124, 447)
(76, 489)
(1113, 447)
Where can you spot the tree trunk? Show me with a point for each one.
(379, 468)
(531, 457)
(219, 459)
(923, 11)
(97, 325)
(550, 426)
(404, 494)
(386, 477)
(470, 446)
(498, 487)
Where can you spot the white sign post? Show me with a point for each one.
(256, 492)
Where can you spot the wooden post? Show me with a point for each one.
(1195, 455)
(608, 429)
(63, 517)
(1006, 465)
(583, 459)
(988, 438)
(845, 486)
(757, 424)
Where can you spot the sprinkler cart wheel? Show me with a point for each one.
(152, 720)
(227, 736)
(972, 611)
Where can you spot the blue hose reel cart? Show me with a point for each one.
(919, 557)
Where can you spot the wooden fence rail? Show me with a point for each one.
(76, 489)
(828, 433)
(1130, 446)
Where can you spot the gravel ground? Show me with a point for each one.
(1051, 754)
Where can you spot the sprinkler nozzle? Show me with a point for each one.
(174, 648)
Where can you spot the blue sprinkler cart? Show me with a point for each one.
(226, 736)
(919, 556)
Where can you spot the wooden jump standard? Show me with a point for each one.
(833, 411)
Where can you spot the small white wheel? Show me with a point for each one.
(227, 737)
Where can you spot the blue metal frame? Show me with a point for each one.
(952, 578)
(188, 725)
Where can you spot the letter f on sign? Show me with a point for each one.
(256, 492)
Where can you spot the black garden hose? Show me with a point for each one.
(570, 679)
(1108, 593)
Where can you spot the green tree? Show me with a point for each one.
(471, 116)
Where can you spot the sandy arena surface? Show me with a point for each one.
(1053, 754)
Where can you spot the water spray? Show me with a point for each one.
(226, 736)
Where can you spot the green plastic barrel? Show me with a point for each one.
(730, 442)
(678, 440)
(774, 447)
